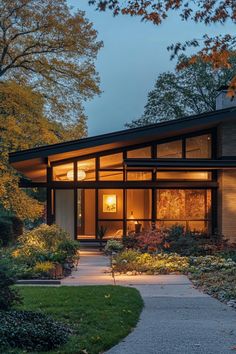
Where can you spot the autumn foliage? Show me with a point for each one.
(216, 50)
(47, 70)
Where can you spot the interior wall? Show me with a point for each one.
(64, 211)
(89, 212)
(118, 214)
(139, 203)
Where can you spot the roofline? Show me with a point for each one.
(44, 151)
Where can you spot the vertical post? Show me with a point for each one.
(49, 196)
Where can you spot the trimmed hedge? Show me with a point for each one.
(31, 331)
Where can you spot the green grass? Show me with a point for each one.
(99, 315)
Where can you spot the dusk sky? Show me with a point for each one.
(134, 54)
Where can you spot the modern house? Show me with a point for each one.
(176, 172)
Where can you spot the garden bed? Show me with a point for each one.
(46, 252)
(215, 275)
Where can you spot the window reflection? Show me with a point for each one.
(172, 149)
(114, 161)
(198, 146)
(144, 152)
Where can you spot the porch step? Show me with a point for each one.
(90, 244)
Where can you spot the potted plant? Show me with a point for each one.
(100, 234)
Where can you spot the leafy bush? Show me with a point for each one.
(43, 268)
(151, 240)
(69, 247)
(113, 246)
(186, 243)
(44, 237)
(6, 232)
(229, 253)
(210, 263)
(8, 295)
(31, 331)
(17, 226)
(162, 263)
(42, 245)
(130, 241)
(215, 275)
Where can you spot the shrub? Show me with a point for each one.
(113, 246)
(210, 263)
(151, 240)
(70, 247)
(31, 331)
(44, 237)
(43, 268)
(6, 232)
(185, 243)
(17, 226)
(8, 295)
(161, 263)
(130, 241)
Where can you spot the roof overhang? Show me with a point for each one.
(32, 163)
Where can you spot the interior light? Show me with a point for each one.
(81, 175)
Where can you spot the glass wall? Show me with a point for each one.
(64, 172)
(188, 207)
(199, 147)
(144, 152)
(110, 212)
(86, 170)
(173, 149)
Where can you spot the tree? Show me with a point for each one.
(47, 69)
(22, 126)
(215, 50)
(45, 46)
(189, 91)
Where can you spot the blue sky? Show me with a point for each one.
(134, 54)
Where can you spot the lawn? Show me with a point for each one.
(99, 315)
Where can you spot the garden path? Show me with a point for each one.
(176, 319)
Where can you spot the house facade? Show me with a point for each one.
(177, 172)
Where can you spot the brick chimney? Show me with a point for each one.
(222, 100)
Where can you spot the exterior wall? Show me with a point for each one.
(227, 139)
(227, 204)
(227, 182)
(223, 101)
(65, 210)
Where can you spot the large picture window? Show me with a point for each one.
(188, 207)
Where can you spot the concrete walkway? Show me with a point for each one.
(176, 319)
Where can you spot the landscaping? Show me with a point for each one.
(95, 317)
(210, 262)
(45, 252)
